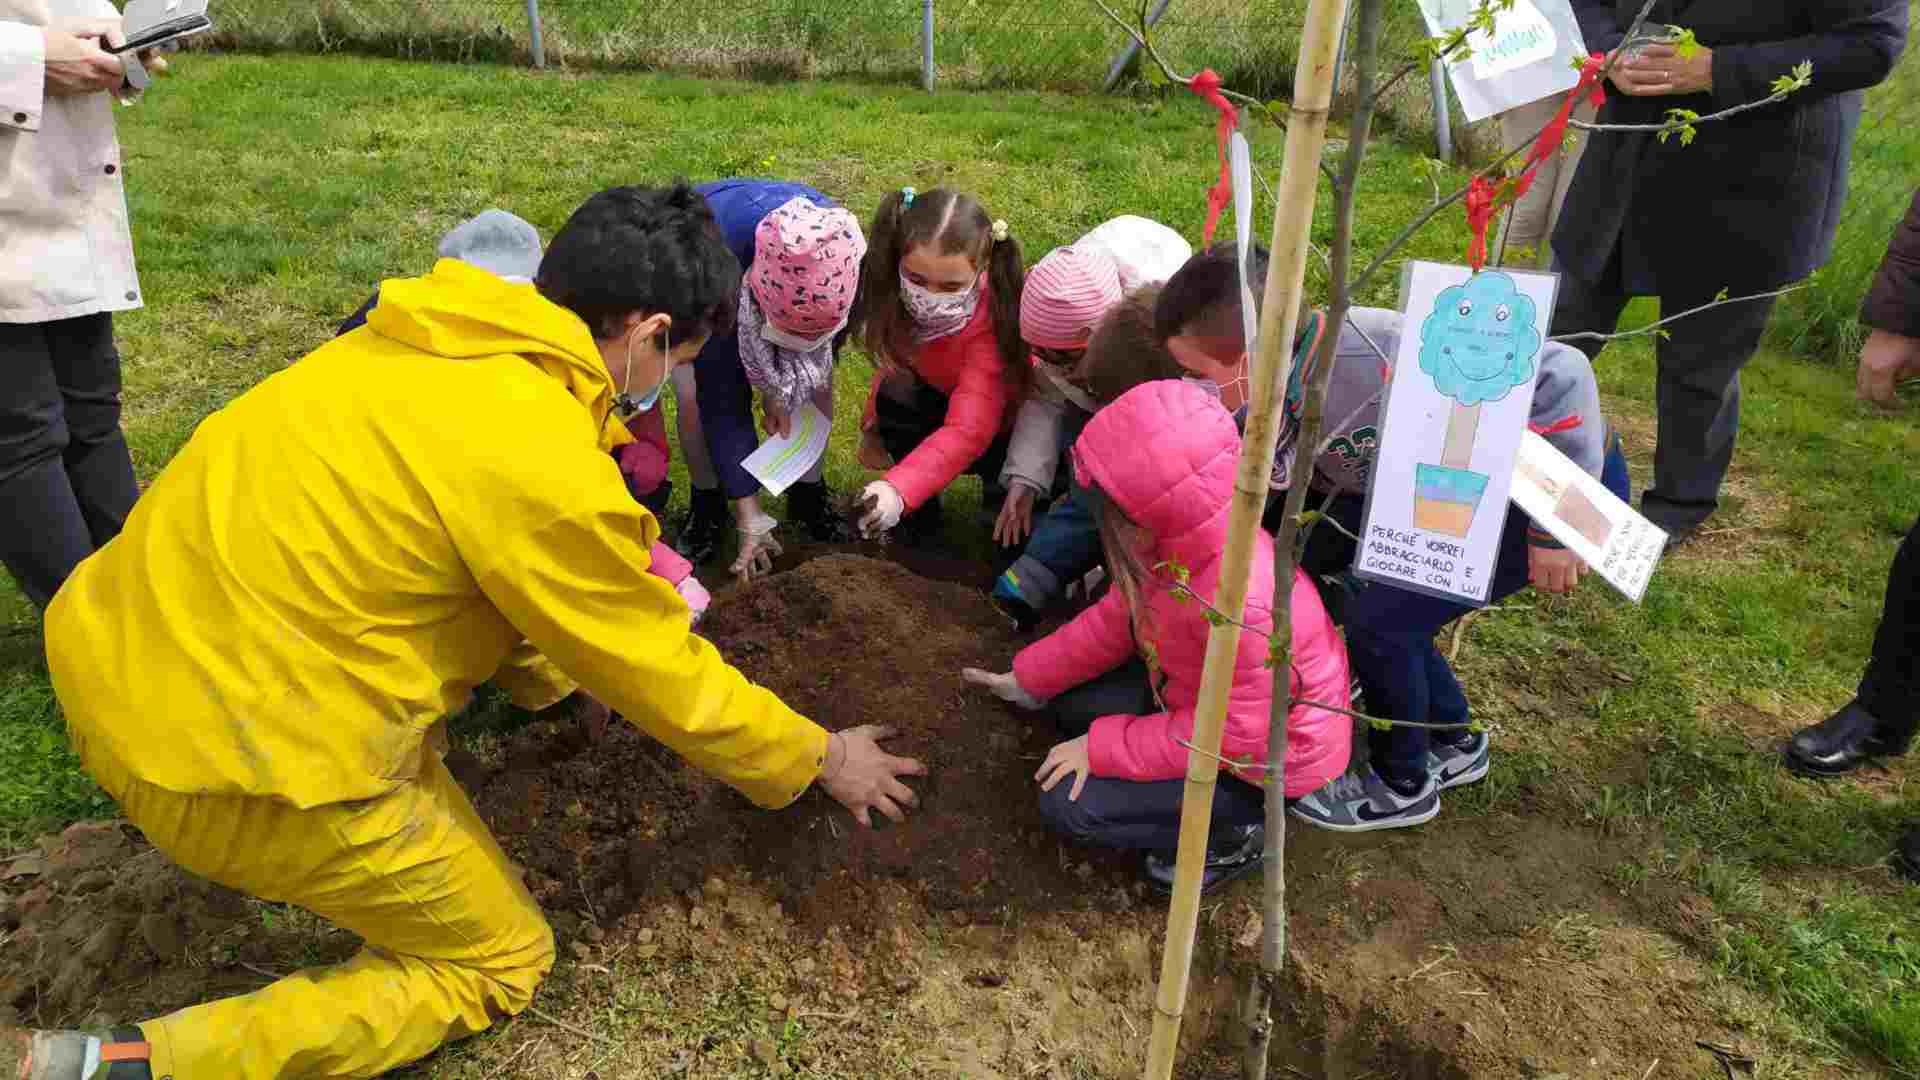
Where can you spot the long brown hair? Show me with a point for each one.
(956, 224)
(1125, 545)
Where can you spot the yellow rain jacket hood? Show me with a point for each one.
(337, 558)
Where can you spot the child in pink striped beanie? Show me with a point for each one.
(1067, 294)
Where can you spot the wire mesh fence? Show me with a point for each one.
(1060, 45)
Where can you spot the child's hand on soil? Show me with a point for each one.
(884, 508)
(1005, 687)
(1069, 757)
(758, 548)
(1015, 523)
(863, 778)
(1554, 570)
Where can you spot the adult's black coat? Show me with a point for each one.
(1754, 202)
(1893, 303)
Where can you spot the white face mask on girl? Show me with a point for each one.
(938, 315)
(1205, 385)
(794, 342)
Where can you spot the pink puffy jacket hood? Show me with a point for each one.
(1165, 455)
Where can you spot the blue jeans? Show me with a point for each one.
(1131, 814)
(1390, 635)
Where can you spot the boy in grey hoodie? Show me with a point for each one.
(1389, 630)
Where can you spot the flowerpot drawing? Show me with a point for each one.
(1477, 345)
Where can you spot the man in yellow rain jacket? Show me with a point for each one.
(331, 565)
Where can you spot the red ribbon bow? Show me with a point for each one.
(1486, 198)
(1207, 85)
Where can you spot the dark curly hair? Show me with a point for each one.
(649, 250)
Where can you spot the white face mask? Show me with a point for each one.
(628, 405)
(938, 315)
(794, 342)
(1206, 386)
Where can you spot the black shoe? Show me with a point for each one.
(1023, 617)
(1842, 743)
(1906, 856)
(1229, 858)
(810, 506)
(706, 524)
(659, 500)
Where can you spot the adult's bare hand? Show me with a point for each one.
(863, 778)
(1554, 570)
(1660, 70)
(76, 64)
(1886, 360)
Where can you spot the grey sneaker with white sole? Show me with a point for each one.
(1361, 802)
(1451, 766)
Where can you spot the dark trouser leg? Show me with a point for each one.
(87, 366)
(1890, 692)
(1125, 689)
(1589, 306)
(46, 531)
(1698, 397)
(1145, 816)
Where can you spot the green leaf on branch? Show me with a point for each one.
(1478, 727)
(1378, 724)
(1680, 121)
(1721, 295)
(1685, 43)
(1799, 79)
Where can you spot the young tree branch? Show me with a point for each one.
(1654, 327)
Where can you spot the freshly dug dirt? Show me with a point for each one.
(846, 640)
(96, 926)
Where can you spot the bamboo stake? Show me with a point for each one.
(1256, 1010)
(1280, 315)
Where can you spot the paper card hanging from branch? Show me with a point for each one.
(1565, 500)
(1450, 429)
(1240, 157)
(1524, 60)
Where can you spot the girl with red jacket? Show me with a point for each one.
(941, 286)
(1159, 465)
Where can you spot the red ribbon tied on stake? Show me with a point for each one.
(1207, 85)
(1486, 198)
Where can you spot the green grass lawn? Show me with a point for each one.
(270, 195)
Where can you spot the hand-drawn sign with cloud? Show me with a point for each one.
(1478, 343)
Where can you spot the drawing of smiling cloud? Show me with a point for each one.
(1480, 340)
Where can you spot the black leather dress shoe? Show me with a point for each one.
(1906, 857)
(1842, 743)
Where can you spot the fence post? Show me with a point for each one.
(1442, 119)
(533, 27)
(1127, 54)
(926, 45)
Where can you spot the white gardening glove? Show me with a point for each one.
(884, 508)
(758, 548)
(696, 595)
(1005, 687)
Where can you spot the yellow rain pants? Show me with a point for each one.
(453, 940)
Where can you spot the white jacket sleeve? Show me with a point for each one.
(1033, 451)
(23, 76)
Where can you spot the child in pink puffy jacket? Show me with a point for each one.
(1159, 464)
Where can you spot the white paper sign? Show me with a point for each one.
(1562, 498)
(1459, 401)
(1240, 158)
(1528, 56)
(781, 461)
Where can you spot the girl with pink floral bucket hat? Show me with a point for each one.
(800, 253)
